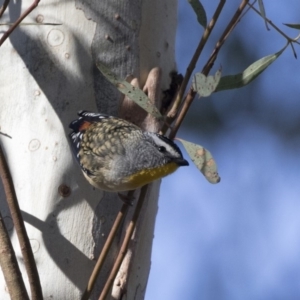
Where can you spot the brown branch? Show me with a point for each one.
(3, 7)
(11, 197)
(122, 213)
(234, 20)
(191, 94)
(186, 105)
(5, 134)
(20, 19)
(290, 40)
(9, 266)
(125, 243)
(193, 62)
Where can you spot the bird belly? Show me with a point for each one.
(135, 180)
(148, 175)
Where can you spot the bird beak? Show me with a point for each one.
(181, 162)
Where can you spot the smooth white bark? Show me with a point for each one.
(47, 74)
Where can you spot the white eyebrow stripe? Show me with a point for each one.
(159, 142)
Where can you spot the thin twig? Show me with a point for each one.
(173, 112)
(234, 20)
(31, 24)
(191, 94)
(291, 40)
(125, 243)
(186, 105)
(11, 197)
(10, 267)
(3, 7)
(20, 19)
(122, 213)
(247, 9)
(293, 49)
(5, 134)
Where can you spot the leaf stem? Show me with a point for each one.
(290, 40)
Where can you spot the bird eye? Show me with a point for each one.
(161, 149)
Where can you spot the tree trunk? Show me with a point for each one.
(47, 74)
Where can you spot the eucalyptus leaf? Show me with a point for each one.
(205, 86)
(249, 74)
(132, 92)
(203, 160)
(295, 26)
(200, 12)
(262, 8)
(263, 12)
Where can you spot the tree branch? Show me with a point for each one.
(9, 266)
(21, 18)
(231, 25)
(172, 113)
(125, 243)
(191, 94)
(3, 7)
(122, 213)
(11, 197)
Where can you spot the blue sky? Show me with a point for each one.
(238, 239)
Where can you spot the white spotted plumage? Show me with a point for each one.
(116, 155)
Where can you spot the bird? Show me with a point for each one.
(116, 155)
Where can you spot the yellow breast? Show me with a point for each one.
(146, 176)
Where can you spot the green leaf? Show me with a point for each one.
(132, 92)
(263, 12)
(295, 26)
(262, 8)
(205, 86)
(203, 160)
(249, 74)
(200, 12)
